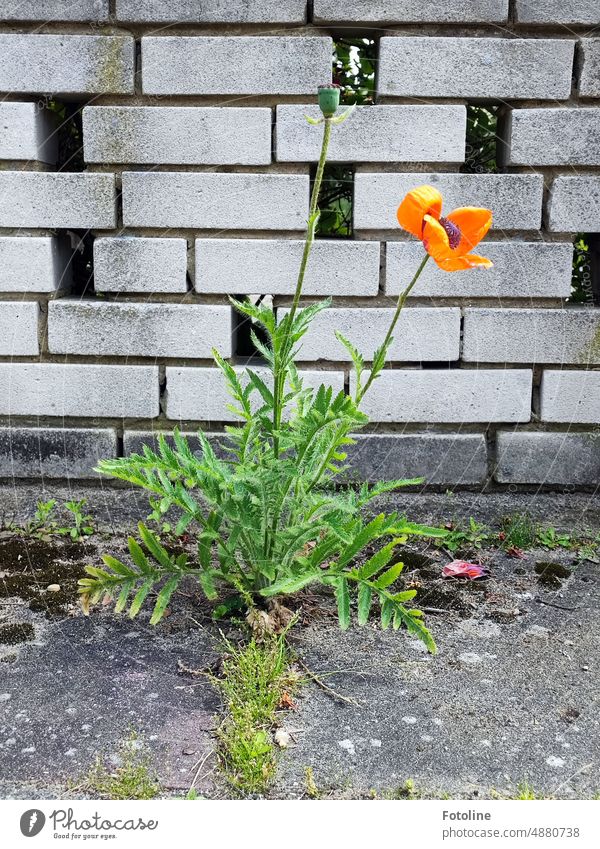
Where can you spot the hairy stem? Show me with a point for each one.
(388, 337)
(279, 368)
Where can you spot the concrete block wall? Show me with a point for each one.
(193, 184)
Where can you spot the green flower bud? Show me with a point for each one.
(329, 99)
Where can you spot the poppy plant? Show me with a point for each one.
(448, 239)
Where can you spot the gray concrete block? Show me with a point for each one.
(376, 134)
(200, 394)
(27, 133)
(454, 396)
(270, 266)
(212, 11)
(557, 12)
(54, 10)
(564, 136)
(548, 458)
(66, 64)
(235, 65)
(521, 270)
(19, 328)
(570, 335)
(410, 11)
(487, 68)
(422, 334)
(177, 135)
(140, 264)
(575, 204)
(78, 201)
(54, 452)
(61, 389)
(140, 330)
(515, 199)
(34, 264)
(589, 78)
(572, 397)
(215, 201)
(443, 459)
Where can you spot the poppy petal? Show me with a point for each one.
(422, 201)
(473, 223)
(435, 239)
(462, 263)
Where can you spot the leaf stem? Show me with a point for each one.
(313, 217)
(388, 337)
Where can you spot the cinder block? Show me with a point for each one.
(557, 12)
(548, 458)
(27, 133)
(99, 391)
(410, 11)
(54, 10)
(177, 135)
(451, 459)
(575, 204)
(422, 334)
(454, 396)
(554, 137)
(569, 335)
(19, 328)
(54, 452)
(66, 64)
(141, 330)
(235, 65)
(572, 397)
(212, 11)
(270, 267)
(200, 394)
(132, 264)
(521, 270)
(376, 134)
(78, 201)
(515, 199)
(215, 201)
(589, 78)
(487, 68)
(34, 264)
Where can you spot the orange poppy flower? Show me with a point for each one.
(448, 239)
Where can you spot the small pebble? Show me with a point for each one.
(5, 697)
(554, 761)
(53, 588)
(410, 720)
(348, 745)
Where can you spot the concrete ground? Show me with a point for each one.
(511, 697)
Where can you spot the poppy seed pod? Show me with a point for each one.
(329, 99)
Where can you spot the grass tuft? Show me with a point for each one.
(255, 678)
(133, 779)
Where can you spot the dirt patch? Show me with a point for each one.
(29, 567)
(12, 635)
(552, 574)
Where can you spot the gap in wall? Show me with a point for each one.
(585, 285)
(70, 160)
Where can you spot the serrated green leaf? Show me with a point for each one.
(163, 599)
(342, 594)
(388, 578)
(140, 598)
(387, 612)
(365, 595)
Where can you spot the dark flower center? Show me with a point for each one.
(452, 231)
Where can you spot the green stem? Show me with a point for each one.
(279, 366)
(401, 301)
